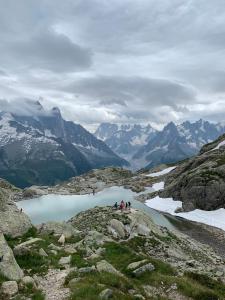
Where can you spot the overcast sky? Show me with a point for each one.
(131, 61)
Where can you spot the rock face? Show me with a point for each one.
(200, 182)
(8, 265)
(13, 222)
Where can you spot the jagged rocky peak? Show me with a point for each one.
(38, 146)
(125, 139)
(177, 142)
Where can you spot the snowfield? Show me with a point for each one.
(215, 218)
(163, 172)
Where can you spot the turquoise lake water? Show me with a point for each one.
(55, 207)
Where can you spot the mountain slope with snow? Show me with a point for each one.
(45, 149)
(125, 140)
(177, 142)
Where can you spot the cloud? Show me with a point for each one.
(133, 90)
(128, 61)
(47, 50)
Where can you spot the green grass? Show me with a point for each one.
(119, 255)
(12, 242)
(90, 287)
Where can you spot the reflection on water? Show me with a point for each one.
(62, 207)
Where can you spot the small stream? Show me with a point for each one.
(55, 207)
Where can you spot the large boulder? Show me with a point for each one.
(13, 222)
(104, 266)
(58, 228)
(8, 265)
(117, 228)
(9, 289)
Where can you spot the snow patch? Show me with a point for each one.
(160, 173)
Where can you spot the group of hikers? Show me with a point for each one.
(123, 205)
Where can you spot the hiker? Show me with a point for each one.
(122, 205)
(115, 206)
(126, 205)
(129, 204)
(21, 210)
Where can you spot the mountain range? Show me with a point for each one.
(44, 149)
(145, 147)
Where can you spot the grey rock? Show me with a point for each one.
(54, 247)
(87, 269)
(117, 228)
(149, 267)
(136, 264)
(13, 222)
(104, 266)
(139, 296)
(9, 288)
(42, 252)
(106, 294)
(26, 280)
(65, 260)
(73, 282)
(95, 238)
(58, 228)
(8, 265)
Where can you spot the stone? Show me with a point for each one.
(42, 252)
(149, 267)
(117, 228)
(70, 249)
(219, 273)
(106, 294)
(72, 283)
(9, 288)
(62, 240)
(87, 269)
(139, 296)
(95, 238)
(54, 247)
(104, 266)
(8, 265)
(100, 251)
(136, 264)
(58, 228)
(19, 249)
(54, 252)
(65, 260)
(26, 280)
(13, 222)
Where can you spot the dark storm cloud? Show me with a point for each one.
(116, 60)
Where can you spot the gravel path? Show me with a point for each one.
(52, 285)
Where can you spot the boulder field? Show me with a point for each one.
(108, 254)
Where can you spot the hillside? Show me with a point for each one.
(109, 254)
(200, 182)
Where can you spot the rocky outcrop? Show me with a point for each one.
(200, 181)
(58, 228)
(13, 222)
(8, 265)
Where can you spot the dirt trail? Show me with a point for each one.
(52, 285)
